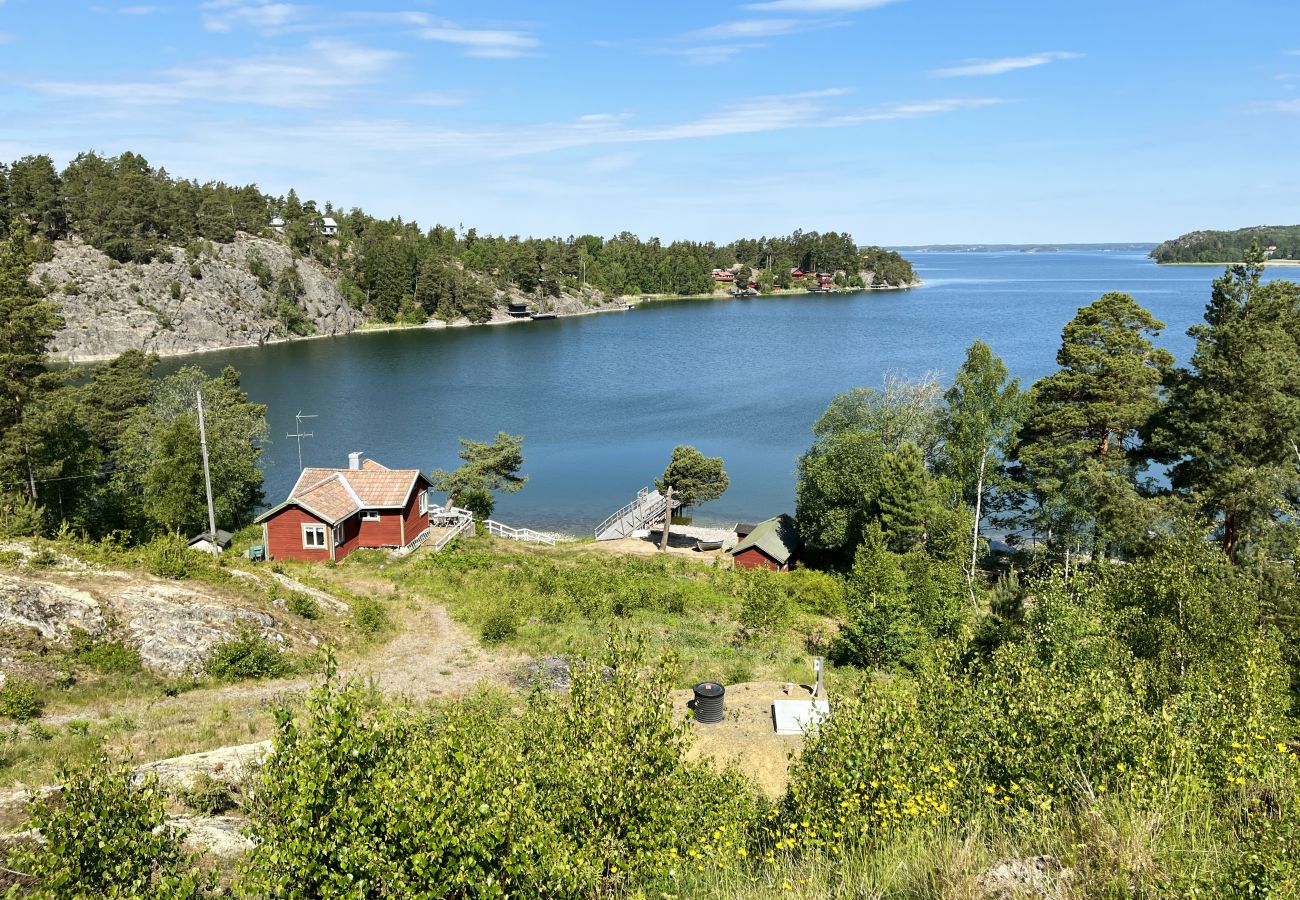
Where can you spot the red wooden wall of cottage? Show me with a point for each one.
(284, 535)
(415, 522)
(351, 531)
(387, 532)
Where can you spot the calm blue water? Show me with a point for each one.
(601, 400)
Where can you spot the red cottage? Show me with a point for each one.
(773, 544)
(331, 512)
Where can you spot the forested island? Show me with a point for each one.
(138, 258)
(1279, 243)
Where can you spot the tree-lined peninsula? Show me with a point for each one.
(1279, 243)
(138, 258)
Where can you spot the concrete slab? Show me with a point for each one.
(798, 716)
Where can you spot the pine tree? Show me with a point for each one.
(905, 498)
(1083, 421)
(1232, 423)
(27, 325)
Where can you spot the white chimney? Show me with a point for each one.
(354, 460)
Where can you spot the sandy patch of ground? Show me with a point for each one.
(682, 545)
(746, 736)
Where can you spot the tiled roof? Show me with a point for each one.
(335, 494)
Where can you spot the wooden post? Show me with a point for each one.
(668, 517)
(207, 476)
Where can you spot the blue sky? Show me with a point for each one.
(903, 122)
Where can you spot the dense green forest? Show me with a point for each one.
(1227, 246)
(392, 269)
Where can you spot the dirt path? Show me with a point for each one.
(433, 656)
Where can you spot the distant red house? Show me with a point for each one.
(331, 512)
(773, 544)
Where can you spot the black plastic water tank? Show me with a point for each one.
(708, 702)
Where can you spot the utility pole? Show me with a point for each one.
(299, 434)
(207, 475)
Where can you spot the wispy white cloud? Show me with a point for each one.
(7, 37)
(1003, 64)
(260, 15)
(803, 110)
(139, 10)
(301, 80)
(748, 28)
(916, 109)
(438, 98)
(1291, 52)
(1288, 107)
(819, 5)
(491, 43)
(709, 54)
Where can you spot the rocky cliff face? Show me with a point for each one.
(181, 303)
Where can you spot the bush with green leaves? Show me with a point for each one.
(20, 699)
(250, 654)
(577, 796)
(370, 616)
(304, 605)
(168, 556)
(207, 796)
(500, 625)
(765, 605)
(106, 656)
(106, 837)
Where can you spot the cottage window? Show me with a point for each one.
(338, 534)
(424, 502)
(313, 537)
(370, 515)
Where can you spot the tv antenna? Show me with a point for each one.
(299, 434)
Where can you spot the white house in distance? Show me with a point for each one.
(328, 226)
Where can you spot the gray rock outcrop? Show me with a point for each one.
(181, 304)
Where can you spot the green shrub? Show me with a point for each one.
(105, 656)
(207, 796)
(249, 655)
(764, 604)
(168, 556)
(369, 616)
(574, 796)
(20, 699)
(43, 558)
(176, 290)
(500, 625)
(107, 837)
(304, 605)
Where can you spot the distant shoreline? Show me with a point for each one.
(638, 299)
(1271, 263)
(621, 305)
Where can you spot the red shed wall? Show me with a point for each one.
(284, 535)
(753, 558)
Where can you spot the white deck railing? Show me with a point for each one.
(526, 535)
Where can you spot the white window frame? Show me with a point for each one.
(338, 534)
(370, 515)
(424, 502)
(316, 530)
